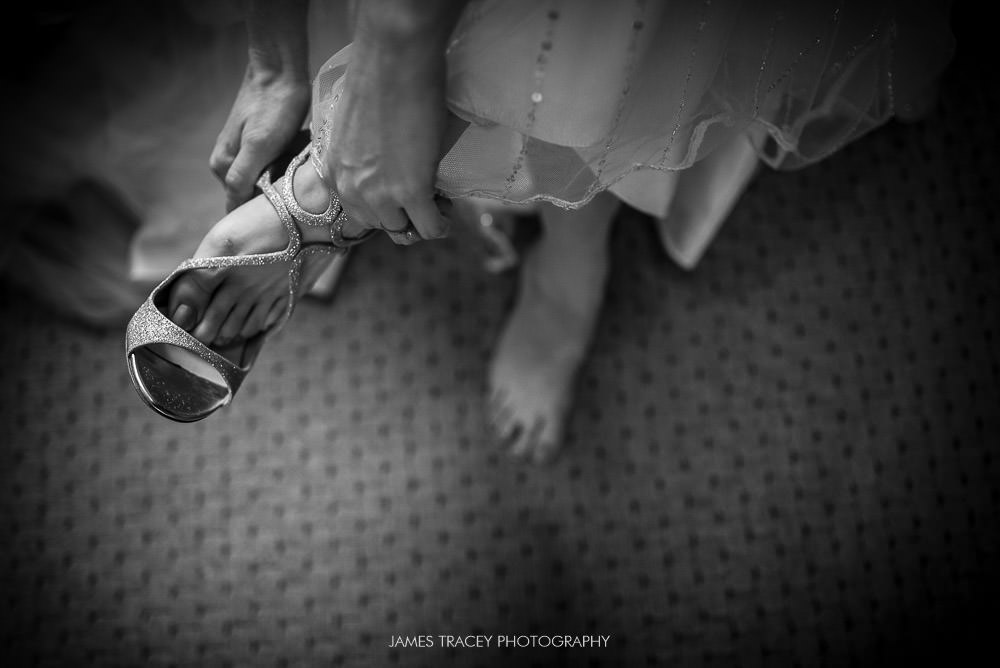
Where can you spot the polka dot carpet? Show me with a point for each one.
(786, 457)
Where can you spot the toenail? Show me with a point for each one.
(184, 316)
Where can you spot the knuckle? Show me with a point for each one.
(260, 140)
(220, 168)
(217, 161)
(382, 201)
(234, 180)
(409, 193)
(253, 139)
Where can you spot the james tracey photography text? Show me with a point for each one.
(482, 641)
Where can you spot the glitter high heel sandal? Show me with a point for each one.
(180, 377)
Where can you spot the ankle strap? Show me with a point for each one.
(300, 215)
(293, 215)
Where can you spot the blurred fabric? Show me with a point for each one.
(125, 100)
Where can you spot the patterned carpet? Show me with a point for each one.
(787, 457)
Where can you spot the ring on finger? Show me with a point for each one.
(408, 234)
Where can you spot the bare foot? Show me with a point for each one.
(226, 306)
(547, 334)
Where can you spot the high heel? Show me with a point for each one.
(185, 380)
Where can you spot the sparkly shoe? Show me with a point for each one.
(180, 377)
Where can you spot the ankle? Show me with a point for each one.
(568, 285)
(311, 192)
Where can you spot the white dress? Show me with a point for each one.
(567, 99)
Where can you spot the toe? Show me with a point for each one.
(501, 420)
(254, 323)
(525, 442)
(190, 295)
(185, 317)
(276, 312)
(546, 453)
(234, 322)
(507, 429)
(549, 440)
(217, 311)
(495, 406)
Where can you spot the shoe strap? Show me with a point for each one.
(301, 216)
(333, 218)
(149, 326)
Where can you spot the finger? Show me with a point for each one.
(238, 182)
(399, 228)
(427, 219)
(392, 220)
(360, 216)
(405, 238)
(227, 145)
(253, 157)
(353, 230)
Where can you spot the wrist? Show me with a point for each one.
(407, 27)
(269, 69)
(277, 41)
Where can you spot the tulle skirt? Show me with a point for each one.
(567, 99)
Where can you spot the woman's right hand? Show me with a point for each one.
(269, 110)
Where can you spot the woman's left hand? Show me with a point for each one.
(388, 128)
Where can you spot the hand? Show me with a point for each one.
(387, 131)
(269, 110)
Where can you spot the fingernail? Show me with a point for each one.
(184, 317)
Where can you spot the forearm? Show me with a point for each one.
(277, 39)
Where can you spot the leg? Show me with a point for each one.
(705, 194)
(547, 334)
